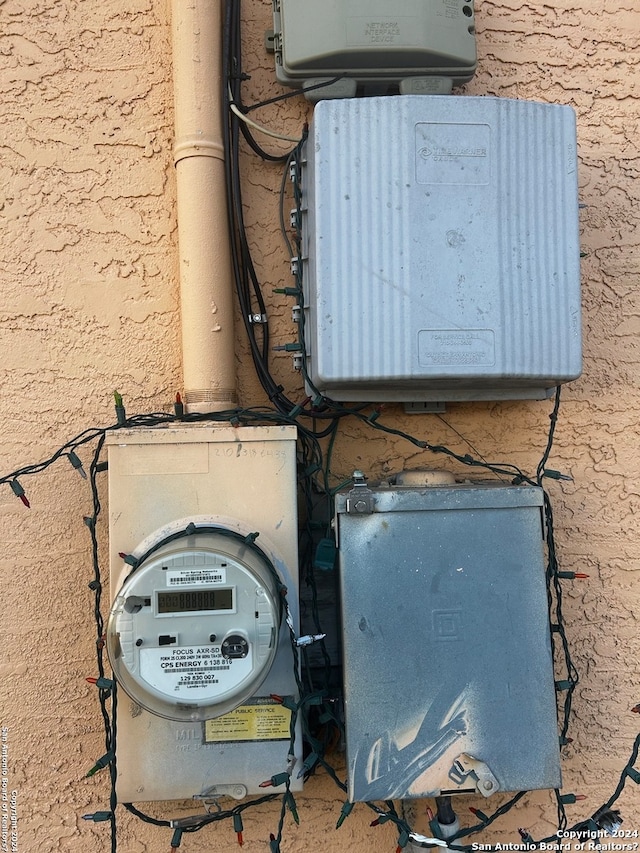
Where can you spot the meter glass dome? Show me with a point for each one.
(193, 630)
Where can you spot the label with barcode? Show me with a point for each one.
(193, 673)
(195, 577)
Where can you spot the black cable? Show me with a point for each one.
(301, 91)
(109, 718)
(247, 286)
(144, 817)
(283, 184)
(234, 74)
(626, 774)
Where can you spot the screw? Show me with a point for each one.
(212, 638)
(360, 506)
(139, 642)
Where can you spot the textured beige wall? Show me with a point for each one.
(88, 303)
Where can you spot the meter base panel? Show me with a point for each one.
(242, 480)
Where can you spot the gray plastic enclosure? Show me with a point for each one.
(441, 244)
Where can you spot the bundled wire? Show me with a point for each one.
(107, 688)
(251, 301)
(250, 298)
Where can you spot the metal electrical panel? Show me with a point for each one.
(442, 257)
(196, 636)
(415, 45)
(448, 672)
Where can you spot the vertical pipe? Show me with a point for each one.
(206, 296)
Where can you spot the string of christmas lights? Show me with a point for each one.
(316, 758)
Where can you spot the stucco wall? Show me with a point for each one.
(88, 303)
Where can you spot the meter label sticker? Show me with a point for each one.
(193, 673)
(262, 719)
(193, 577)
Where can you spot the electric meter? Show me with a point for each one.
(193, 630)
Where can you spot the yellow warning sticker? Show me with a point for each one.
(262, 719)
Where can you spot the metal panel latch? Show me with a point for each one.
(466, 765)
(360, 498)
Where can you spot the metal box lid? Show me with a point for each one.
(448, 673)
(442, 249)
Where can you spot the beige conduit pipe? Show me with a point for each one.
(206, 294)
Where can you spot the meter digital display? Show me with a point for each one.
(193, 630)
(200, 599)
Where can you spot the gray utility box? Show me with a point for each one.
(442, 249)
(448, 673)
(366, 41)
